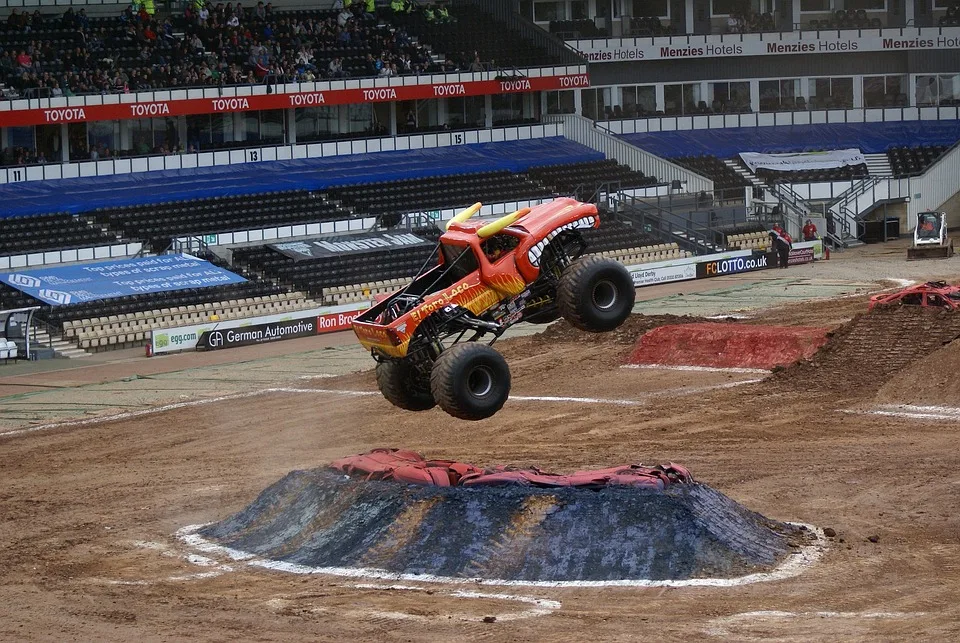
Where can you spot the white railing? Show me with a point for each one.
(584, 131)
(772, 119)
(51, 257)
(935, 187)
(275, 153)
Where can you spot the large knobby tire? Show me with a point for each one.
(596, 294)
(470, 381)
(398, 382)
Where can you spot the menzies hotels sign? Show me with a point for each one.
(768, 44)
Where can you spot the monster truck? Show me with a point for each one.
(482, 278)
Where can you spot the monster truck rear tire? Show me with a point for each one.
(596, 294)
(398, 383)
(470, 381)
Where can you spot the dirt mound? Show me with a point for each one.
(929, 381)
(727, 345)
(321, 519)
(863, 354)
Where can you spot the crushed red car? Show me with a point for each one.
(936, 294)
(409, 467)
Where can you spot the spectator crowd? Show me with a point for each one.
(212, 44)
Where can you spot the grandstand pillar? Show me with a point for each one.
(795, 11)
(292, 126)
(64, 143)
(393, 119)
(578, 101)
(858, 92)
(755, 94)
(658, 97)
(908, 13)
(688, 16)
(488, 111)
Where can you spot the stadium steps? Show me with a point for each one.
(60, 347)
(738, 167)
(878, 165)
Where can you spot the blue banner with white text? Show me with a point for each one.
(118, 278)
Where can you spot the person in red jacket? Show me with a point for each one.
(780, 243)
(809, 231)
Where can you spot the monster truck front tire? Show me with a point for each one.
(470, 381)
(398, 382)
(596, 294)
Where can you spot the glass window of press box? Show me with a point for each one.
(651, 9)
(561, 102)
(830, 93)
(885, 91)
(730, 98)
(638, 101)
(780, 94)
(680, 100)
(942, 90)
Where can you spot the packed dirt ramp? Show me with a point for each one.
(866, 352)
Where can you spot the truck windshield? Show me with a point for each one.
(459, 261)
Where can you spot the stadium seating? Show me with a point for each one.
(477, 34)
(723, 176)
(435, 193)
(745, 236)
(909, 161)
(845, 173)
(585, 178)
(133, 329)
(316, 276)
(20, 235)
(220, 214)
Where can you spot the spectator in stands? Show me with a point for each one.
(780, 243)
(809, 231)
(476, 65)
(336, 68)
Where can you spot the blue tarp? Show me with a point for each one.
(85, 194)
(870, 138)
(108, 279)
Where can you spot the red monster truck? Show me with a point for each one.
(526, 266)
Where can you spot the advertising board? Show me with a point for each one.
(327, 319)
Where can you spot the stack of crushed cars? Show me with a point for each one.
(410, 467)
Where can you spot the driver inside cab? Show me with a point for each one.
(498, 245)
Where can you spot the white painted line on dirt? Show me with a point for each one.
(792, 566)
(318, 376)
(128, 415)
(725, 626)
(700, 369)
(912, 408)
(906, 415)
(541, 606)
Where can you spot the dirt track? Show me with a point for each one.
(89, 512)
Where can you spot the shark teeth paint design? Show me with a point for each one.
(536, 251)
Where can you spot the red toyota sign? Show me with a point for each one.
(21, 117)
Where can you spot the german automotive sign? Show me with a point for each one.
(257, 334)
(347, 244)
